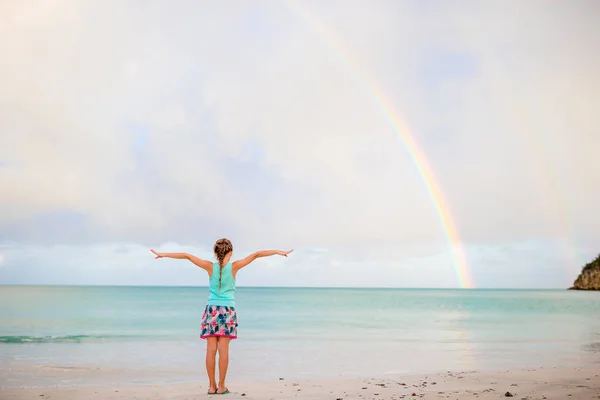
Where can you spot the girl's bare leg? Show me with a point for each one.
(223, 346)
(211, 354)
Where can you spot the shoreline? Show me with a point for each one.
(91, 285)
(581, 383)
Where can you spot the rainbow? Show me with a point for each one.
(406, 139)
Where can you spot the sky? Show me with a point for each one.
(130, 125)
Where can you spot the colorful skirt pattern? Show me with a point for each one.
(219, 321)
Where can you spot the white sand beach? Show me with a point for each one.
(580, 383)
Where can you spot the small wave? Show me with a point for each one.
(592, 347)
(61, 339)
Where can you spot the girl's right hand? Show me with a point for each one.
(284, 253)
(158, 255)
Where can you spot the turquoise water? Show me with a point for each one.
(55, 335)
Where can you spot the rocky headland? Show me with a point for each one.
(589, 278)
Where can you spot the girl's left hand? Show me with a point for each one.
(158, 255)
(284, 253)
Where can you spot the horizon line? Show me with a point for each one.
(282, 287)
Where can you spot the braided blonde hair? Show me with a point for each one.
(222, 248)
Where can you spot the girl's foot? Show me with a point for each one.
(222, 390)
(212, 390)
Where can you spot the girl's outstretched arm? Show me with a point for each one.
(239, 264)
(204, 264)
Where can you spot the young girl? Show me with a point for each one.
(219, 322)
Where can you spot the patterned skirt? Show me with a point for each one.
(219, 321)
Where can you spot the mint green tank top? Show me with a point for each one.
(225, 296)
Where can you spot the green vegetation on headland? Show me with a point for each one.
(589, 278)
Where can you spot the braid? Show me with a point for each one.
(221, 249)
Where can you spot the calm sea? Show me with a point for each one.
(55, 335)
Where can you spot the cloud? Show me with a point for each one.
(538, 264)
(186, 124)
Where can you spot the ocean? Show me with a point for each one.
(93, 335)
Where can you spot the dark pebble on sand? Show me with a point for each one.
(414, 394)
(280, 379)
(243, 394)
(508, 394)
